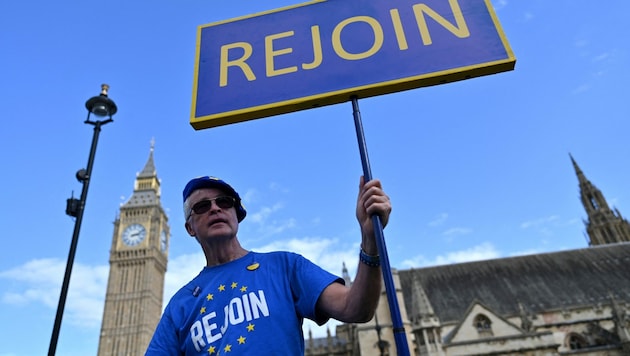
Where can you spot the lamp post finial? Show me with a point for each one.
(104, 89)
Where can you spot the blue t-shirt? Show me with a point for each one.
(254, 305)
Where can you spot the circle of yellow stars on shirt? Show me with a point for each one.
(212, 350)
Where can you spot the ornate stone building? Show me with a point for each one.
(573, 302)
(138, 258)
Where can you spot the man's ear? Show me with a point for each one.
(189, 229)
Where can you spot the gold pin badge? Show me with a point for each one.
(254, 266)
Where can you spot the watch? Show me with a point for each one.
(163, 240)
(134, 234)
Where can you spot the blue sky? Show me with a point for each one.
(476, 169)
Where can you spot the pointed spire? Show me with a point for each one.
(578, 171)
(345, 275)
(591, 197)
(146, 189)
(311, 342)
(526, 323)
(621, 320)
(421, 306)
(149, 167)
(604, 225)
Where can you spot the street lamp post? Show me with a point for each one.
(102, 107)
(383, 345)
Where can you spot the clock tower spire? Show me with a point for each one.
(138, 259)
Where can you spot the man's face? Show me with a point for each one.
(214, 224)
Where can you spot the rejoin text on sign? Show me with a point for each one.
(375, 32)
(321, 53)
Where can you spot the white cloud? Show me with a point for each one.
(319, 331)
(581, 89)
(532, 251)
(181, 269)
(439, 220)
(275, 187)
(580, 43)
(499, 4)
(457, 231)
(481, 252)
(249, 197)
(276, 227)
(266, 226)
(539, 222)
(601, 57)
(548, 226)
(261, 216)
(324, 252)
(40, 280)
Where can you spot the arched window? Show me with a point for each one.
(483, 325)
(576, 342)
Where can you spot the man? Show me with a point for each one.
(248, 303)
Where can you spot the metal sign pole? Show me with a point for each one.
(400, 336)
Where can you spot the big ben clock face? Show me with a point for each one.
(134, 234)
(163, 241)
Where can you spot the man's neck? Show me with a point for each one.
(223, 252)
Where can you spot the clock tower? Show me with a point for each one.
(138, 258)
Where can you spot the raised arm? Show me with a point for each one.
(358, 303)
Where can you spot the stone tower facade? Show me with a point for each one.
(138, 259)
(604, 225)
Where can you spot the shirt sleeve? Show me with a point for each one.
(164, 341)
(308, 281)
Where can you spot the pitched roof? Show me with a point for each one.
(549, 281)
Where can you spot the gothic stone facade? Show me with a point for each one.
(561, 303)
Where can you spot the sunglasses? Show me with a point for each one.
(205, 205)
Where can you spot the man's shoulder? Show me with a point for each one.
(275, 254)
(286, 258)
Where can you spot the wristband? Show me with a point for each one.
(372, 261)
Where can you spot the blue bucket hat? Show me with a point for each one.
(213, 182)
